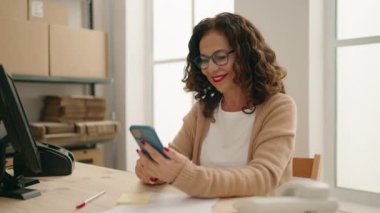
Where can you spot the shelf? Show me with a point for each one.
(70, 80)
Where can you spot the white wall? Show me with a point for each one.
(126, 24)
(110, 16)
(118, 45)
(316, 79)
(137, 103)
(294, 31)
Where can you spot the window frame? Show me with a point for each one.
(151, 62)
(331, 46)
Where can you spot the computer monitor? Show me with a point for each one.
(20, 137)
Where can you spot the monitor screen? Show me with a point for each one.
(16, 123)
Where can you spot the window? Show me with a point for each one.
(173, 22)
(354, 47)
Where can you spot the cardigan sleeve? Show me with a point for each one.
(272, 152)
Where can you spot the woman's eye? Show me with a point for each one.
(220, 57)
(204, 60)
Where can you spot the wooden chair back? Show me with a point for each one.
(306, 167)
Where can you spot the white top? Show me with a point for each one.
(227, 141)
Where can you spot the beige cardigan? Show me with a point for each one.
(269, 161)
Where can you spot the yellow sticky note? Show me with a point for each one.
(133, 198)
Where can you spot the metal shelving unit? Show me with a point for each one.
(86, 81)
(63, 80)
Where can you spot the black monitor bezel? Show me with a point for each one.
(16, 122)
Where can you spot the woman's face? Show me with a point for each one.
(221, 76)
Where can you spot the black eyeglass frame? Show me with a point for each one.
(197, 60)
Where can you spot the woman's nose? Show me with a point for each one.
(212, 66)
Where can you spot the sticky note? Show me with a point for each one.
(133, 198)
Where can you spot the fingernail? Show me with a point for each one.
(143, 143)
(166, 149)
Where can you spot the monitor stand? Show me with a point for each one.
(14, 187)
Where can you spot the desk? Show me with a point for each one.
(62, 193)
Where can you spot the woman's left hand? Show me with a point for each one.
(160, 167)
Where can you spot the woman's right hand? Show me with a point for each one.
(142, 175)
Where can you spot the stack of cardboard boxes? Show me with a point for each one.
(73, 108)
(64, 108)
(36, 40)
(74, 122)
(76, 133)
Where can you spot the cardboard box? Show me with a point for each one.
(91, 156)
(14, 9)
(64, 139)
(74, 134)
(78, 52)
(48, 12)
(73, 108)
(57, 14)
(24, 47)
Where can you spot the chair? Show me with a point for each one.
(306, 167)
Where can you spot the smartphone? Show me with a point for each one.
(149, 135)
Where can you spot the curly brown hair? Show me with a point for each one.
(256, 69)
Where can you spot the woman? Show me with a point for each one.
(238, 139)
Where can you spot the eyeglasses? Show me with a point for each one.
(219, 57)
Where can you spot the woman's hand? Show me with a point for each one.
(140, 172)
(159, 168)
